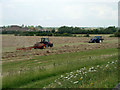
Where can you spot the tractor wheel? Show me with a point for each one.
(35, 48)
(97, 41)
(94, 41)
(44, 47)
(51, 45)
(100, 41)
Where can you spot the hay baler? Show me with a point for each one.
(39, 45)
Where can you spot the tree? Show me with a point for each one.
(40, 27)
(117, 33)
(22, 25)
(53, 30)
(87, 35)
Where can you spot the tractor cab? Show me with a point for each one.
(98, 37)
(43, 40)
(46, 42)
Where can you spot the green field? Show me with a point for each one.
(85, 69)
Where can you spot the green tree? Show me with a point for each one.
(117, 33)
(53, 30)
(40, 27)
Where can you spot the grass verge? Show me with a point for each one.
(66, 63)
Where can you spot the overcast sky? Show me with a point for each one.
(50, 13)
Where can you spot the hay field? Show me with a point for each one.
(43, 68)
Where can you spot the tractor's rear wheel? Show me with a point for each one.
(51, 45)
(94, 41)
(35, 48)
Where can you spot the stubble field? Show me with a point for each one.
(38, 68)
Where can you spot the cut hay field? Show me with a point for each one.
(71, 63)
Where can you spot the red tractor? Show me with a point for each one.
(43, 44)
(39, 45)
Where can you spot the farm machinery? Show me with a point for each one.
(39, 45)
(96, 39)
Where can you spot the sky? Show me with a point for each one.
(56, 13)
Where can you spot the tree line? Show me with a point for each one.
(36, 33)
(66, 31)
(77, 30)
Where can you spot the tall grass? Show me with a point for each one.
(68, 62)
(100, 76)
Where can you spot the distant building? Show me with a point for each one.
(90, 28)
(1, 29)
(16, 28)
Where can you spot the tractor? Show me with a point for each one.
(39, 45)
(96, 39)
(43, 44)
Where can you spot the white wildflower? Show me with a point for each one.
(71, 76)
(76, 74)
(66, 77)
(106, 65)
(112, 62)
(81, 77)
(97, 65)
(92, 68)
(84, 68)
(61, 76)
(77, 70)
(89, 70)
(85, 72)
(55, 80)
(76, 82)
(59, 83)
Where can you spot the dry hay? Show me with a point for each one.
(14, 41)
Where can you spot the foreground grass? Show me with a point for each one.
(57, 65)
(101, 79)
(58, 59)
(94, 77)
